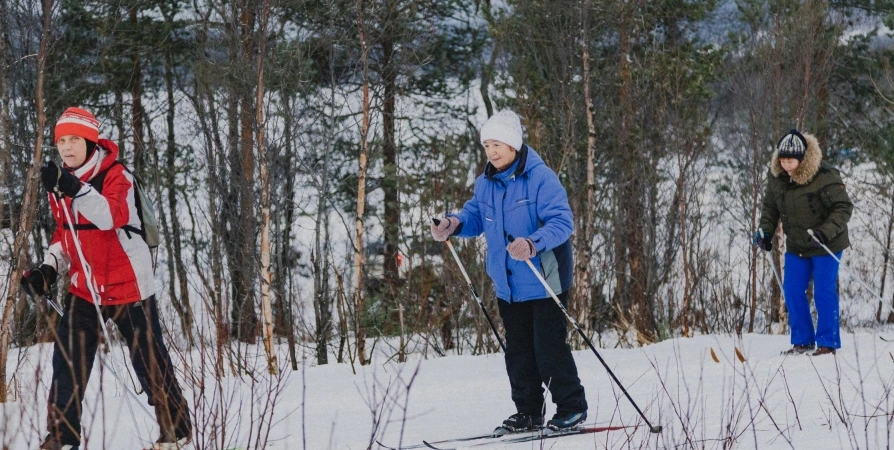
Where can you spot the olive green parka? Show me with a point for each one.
(813, 197)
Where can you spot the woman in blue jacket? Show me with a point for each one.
(519, 196)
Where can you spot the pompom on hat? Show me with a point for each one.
(504, 126)
(792, 145)
(77, 122)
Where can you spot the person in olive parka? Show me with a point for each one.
(806, 194)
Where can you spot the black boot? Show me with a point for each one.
(518, 423)
(566, 422)
(164, 443)
(50, 443)
(798, 350)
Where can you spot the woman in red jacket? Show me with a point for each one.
(109, 265)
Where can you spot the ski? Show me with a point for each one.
(539, 436)
(444, 441)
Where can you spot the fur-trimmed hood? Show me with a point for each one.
(809, 167)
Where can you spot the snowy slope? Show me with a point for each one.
(768, 402)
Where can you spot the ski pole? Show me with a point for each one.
(868, 288)
(54, 304)
(472, 288)
(652, 428)
(776, 275)
(778, 278)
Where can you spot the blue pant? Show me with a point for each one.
(824, 271)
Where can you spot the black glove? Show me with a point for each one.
(819, 239)
(58, 180)
(38, 280)
(763, 240)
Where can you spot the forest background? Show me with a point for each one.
(297, 150)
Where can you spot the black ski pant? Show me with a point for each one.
(537, 354)
(77, 338)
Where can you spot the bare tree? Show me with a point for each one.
(179, 284)
(322, 294)
(136, 93)
(240, 242)
(29, 205)
(5, 148)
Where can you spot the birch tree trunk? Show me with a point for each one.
(266, 311)
(359, 306)
(581, 304)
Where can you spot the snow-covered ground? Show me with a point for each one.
(767, 402)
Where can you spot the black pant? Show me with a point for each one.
(537, 353)
(77, 339)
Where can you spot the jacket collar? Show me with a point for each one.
(105, 155)
(809, 167)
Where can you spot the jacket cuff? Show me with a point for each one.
(828, 231)
(459, 226)
(539, 245)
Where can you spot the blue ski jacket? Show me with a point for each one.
(526, 200)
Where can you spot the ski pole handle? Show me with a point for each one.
(829, 251)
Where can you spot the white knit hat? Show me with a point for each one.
(504, 126)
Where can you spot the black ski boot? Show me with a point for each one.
(519, 423)
(823, 351)
(179, 442)
(798, 350)
(566, 422)
(50, 443)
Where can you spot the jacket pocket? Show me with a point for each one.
(814, 204)
(488, 213)
(521, 217)
(518, 203)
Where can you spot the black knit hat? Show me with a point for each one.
(792, 145)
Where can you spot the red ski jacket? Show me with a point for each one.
(118, 262)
